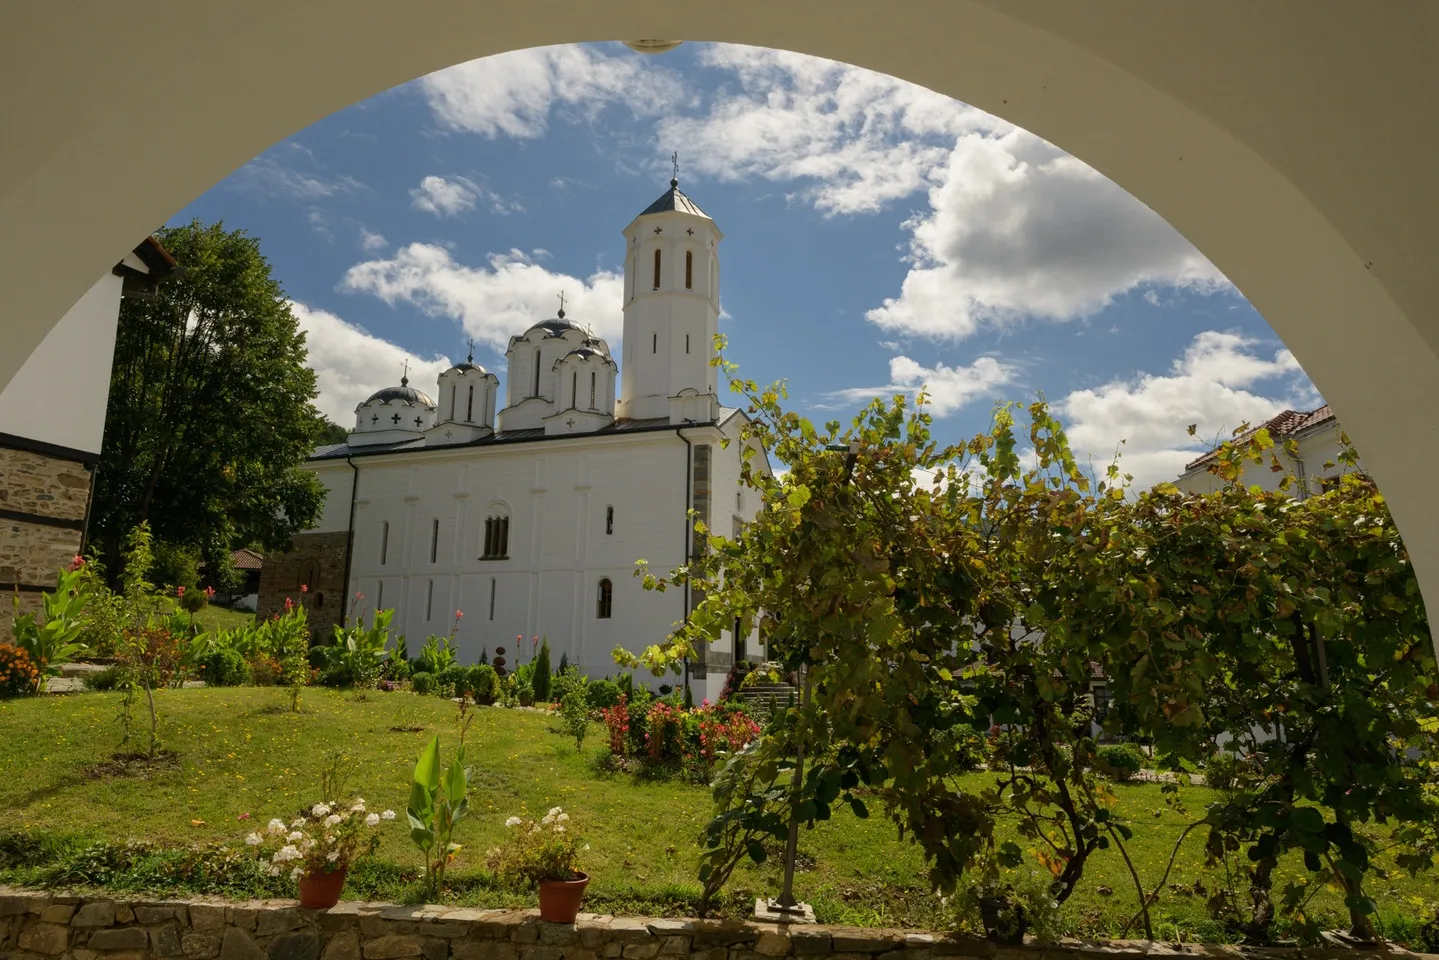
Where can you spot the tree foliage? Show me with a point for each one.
(210, 410)
(930, 593)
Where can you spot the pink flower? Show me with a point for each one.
(705, 702)
(304, 588)
(77, 563)
(179, 591)
(459, 614)
(209, 593)
(289, 604)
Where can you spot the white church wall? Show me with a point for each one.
(335, 514)
(59, 395)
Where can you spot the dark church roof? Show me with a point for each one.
(673, 200)
(403, 392)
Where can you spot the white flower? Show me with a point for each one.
(254, 840)
(320, 810)
(299, 822)
(332, 856)
(388, 815)
(295, 836)
(358, 806)
(274, 871)
(373, 820)
(285, 853)
(559, 828)
(513, 822)
(555, 812)
(333, 819)
(309, 844)
(276, 826)
(562, 817)
(548, 819)
(296, 873)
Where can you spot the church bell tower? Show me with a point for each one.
(671, 312)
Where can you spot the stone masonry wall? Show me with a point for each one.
(30, 551)
(36, 926)
(316, 559)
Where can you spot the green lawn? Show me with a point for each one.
(222, 618)
(241, 753)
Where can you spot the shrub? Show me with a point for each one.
(540, 682)
(223, 667)
(602, 693)
(111, 678)
(484, 683)
(534, 851)
(566, 680)
(575, 712)
(437, 654)
(1221, 771)
(1119, 761)
(423, 682)
(395, 669)
(51, 639)
(453, 680)
(18, 673)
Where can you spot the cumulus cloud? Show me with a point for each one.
(370, 241)
(948, 388)
(1215, 385)
(506, 296)
(290, 172)
(1019, 229)
(855, 140)
(452, 197)
(513, 94)
(350, 364)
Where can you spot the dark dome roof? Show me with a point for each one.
(403, 392)
(467, 366)
(673, 200)
(557, 327)
(586, 353)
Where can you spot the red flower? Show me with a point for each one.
(179, 591)
(77, 563)
(459, 614)
(304, 588)
(289, 604)
(209, 593)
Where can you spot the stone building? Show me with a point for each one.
(52, 420)
(529, 516)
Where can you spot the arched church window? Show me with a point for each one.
(470, 407)
(575, 390)
(384, 542)
(657, 269)
(609, 520)
(497, 537)
(434, 539)
(453, 387)
(536, 392)
(604, 602)
(689, 269)
(593, 382)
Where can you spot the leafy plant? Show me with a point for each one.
(358, 652)
(18, 674)
(423, 682)
(602, 693)
(331, 836)
(575, 713)
(484, 683)
(1119, 761)
(535, 850)
(52, 642)
(437, 654)
(540, 677)
(439, 799)
(151, 657)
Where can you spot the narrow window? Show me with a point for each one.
(470, 407)
(657, 269)
(434, 539)
(537, 373)
(593, 381)
(319, 600)
(575, 390)
(655, 344)
(497, 538)
(492, 598)
(430, 601)
(687, 343)
(453, 388)
(609, 520)
(489, 533)
(605, 599)
(384, 542)
(504, 536)
(739, 500)
(689, 269)
(380, 596)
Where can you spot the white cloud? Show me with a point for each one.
(493, 302)
(276, 174)
(1019, 229)
(513, 93)
(1214, 385)
(371, 241)
(450, 198)
(948, 388)
(857, 139)
(350, 364)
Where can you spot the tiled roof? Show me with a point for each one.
(338, 451)
(672, 199)
(246, 559)
(1287, 424)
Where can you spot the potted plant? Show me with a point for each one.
(318, 848)
(544, 853)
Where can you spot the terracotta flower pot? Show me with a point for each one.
(321, 891)
(560, 899)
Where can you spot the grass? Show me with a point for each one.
(214, 618)
(241, 753)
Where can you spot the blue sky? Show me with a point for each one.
(879, 236)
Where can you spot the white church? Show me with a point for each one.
(527, 512)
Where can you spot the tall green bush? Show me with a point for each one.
(540, 681)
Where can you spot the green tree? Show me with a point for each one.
(331, 432)
(541, 681)
(210, 411)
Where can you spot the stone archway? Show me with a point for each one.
(1292, 143)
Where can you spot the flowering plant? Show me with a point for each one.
(535, 850)
(18, 673)
(330, 837)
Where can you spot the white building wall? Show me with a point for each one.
(59, 396)
(1317, 447)
(556, 493)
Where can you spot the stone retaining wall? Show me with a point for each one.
(37, 926)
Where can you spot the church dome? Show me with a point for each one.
(404, 392)
(556, 327)
(585, 352)
(673, 201)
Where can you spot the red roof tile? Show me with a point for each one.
(246, 559)
(1286, 424)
